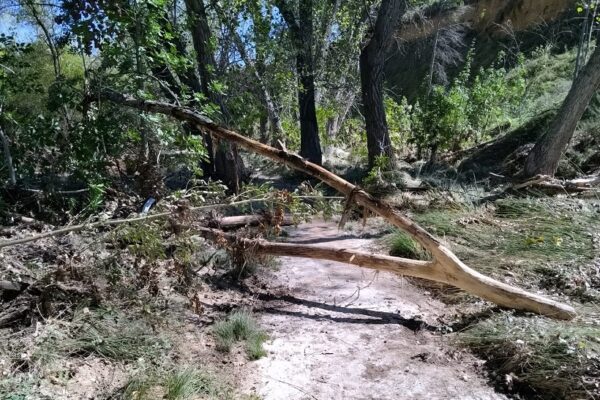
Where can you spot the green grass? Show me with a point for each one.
(183, 383)
(237, 327)
(109, 335)
(17, 388)
(530, 238)
(539, 243)
(402, 245)
(544, 358)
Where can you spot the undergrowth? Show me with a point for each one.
(523, 239)
(540, 357)
(540, 243)
(182, 383)
(110, 335)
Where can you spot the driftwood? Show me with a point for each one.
(445, 266)
(550, 183)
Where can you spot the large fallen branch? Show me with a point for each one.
(445, 267)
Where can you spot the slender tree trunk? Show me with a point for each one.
(372, 59)
(334, 123)
(12, 178)
(301, 30)
(258, 72)
(310, 145)
(545, 155)
(224, 161)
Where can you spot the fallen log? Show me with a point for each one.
(445, 267)
(239, 221)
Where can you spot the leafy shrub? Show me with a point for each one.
(465, 111)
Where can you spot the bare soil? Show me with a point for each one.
(343, 332)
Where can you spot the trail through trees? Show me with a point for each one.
(445, 266)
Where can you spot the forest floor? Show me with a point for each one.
(116, 314)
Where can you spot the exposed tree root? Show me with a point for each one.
(445, 267)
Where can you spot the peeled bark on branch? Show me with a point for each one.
(445, 267)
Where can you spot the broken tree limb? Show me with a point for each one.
(239, 221)
(446, 267)
(112, 222)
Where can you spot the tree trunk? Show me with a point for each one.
(12, 178)
(445, 266)
(258, 71)
(302, 35)
(545, 155)
(372, 59)
(224, 161)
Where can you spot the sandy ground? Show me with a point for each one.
(343, 332)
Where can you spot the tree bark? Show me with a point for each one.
(224, 160)
(372, 60)
(301, 30)
(12, 178)
(444, 267)
(548, 150)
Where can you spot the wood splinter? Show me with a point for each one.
(445, 266)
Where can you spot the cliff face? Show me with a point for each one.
(493, 25)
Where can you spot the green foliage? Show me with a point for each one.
(143, 241)
(403, 245)
(240, 326)
(105, 334)
(399, 119)
(464, 112)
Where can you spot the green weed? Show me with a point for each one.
(182, 383)
(142, 240)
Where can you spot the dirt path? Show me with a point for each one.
(343, 332)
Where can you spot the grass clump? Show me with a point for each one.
(538, 357)
(177, 384)
(237, 327)
(189, 382)
(402, 245)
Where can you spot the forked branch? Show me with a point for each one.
(445, 267)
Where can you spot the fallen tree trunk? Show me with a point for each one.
(445, 267)
(239, 221)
